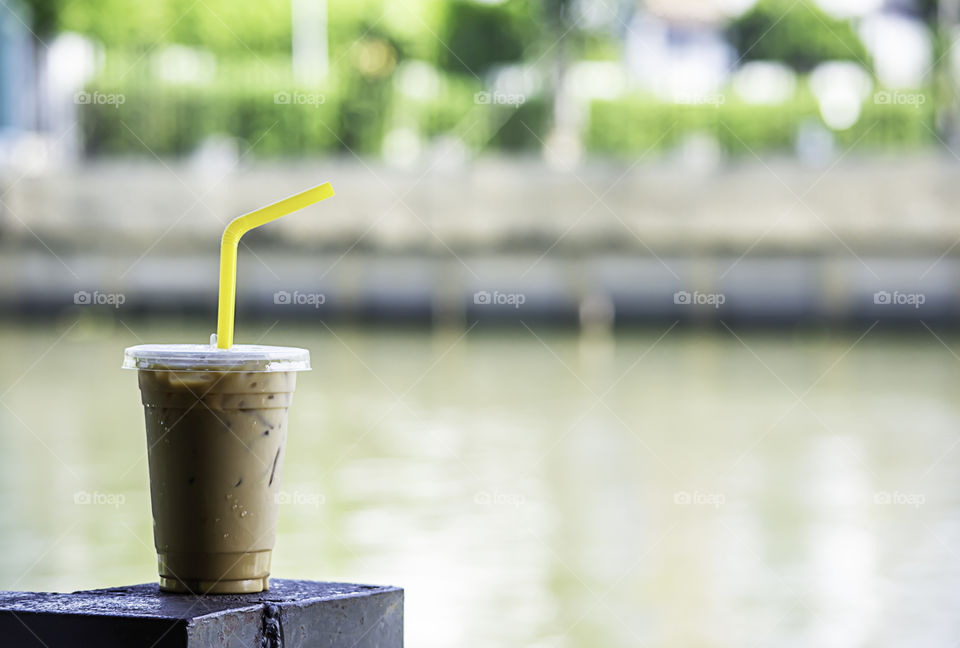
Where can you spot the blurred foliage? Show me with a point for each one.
(631, 126)
(476, 36)
(247, 48)
(599, 47)
(44, 16)
(356, 112)
(175, 120)
(367, 91)
(524, 128)
(220, 26)
(637, 124)
(892, 126)
(796, 32)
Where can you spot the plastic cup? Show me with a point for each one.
(216, 422)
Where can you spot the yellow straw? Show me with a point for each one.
(228, 251)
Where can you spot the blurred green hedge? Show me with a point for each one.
(632, 125)
(173, 119)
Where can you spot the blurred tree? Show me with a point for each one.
(367, 90)
(799, 34)
(44, 17)
(476, 37)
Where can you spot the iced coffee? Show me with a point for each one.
(216, 424)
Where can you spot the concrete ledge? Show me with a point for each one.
(555, 289)
(293, 614)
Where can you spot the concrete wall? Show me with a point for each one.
(888, 206)
(771, 244)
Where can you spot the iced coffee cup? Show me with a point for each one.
(216, 423)
(216, 431)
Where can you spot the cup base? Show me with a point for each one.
(247, 586)
(215, 573)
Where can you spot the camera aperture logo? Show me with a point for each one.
(896, 98)
(97, 298)
(297, 298)
(301, 498)
(916, 500)
(499, 99)
(97, 98)
(686, 498)
(96, 498)
(297, 98)
(714, 99)
(697, 298)
(897, 298)
(496, 498)
(497, 298)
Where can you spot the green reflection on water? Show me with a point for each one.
(537, 488)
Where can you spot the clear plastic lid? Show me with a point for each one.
(204, 357)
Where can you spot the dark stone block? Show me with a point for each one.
(293, 614)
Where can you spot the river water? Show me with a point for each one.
(533, 487)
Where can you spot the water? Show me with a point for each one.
(533, 488)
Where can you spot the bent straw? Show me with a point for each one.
(228, 251)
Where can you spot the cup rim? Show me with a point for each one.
(205, 358)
